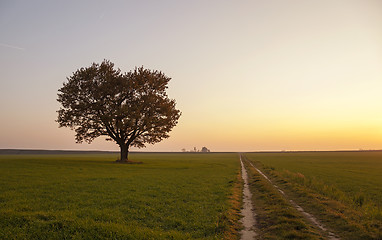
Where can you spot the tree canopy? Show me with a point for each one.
(130, 108)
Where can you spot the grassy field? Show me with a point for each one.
(169, 196)
(343, 188)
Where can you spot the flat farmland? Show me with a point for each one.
(169, 196)
(343, 189)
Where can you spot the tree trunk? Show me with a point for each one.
(124, 153)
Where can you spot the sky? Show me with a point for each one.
(247, 75)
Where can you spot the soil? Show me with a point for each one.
(248, 219)
(127, 162)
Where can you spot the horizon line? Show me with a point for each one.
(16, 150)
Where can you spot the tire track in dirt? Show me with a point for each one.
(309, 216)
(248, 220)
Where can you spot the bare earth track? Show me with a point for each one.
(307, 215)
(248, 219)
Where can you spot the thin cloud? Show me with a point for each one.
(11, 46)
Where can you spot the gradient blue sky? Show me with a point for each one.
(247, 75)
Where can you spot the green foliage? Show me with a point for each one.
(170, 196)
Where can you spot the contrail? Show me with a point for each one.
(10, 46)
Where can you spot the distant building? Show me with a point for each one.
(204, 149)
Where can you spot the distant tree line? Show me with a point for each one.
(203, 150)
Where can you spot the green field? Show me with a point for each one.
(351, 172)
(187, 195)
(343, 188)
(169, 196)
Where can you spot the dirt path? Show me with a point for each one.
(248, 219)
(309, 216)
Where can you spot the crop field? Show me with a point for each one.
(189, 195)
(342, 189)
(169, 196)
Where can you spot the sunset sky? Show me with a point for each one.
(247, 75)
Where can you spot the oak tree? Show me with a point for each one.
(129, 108)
